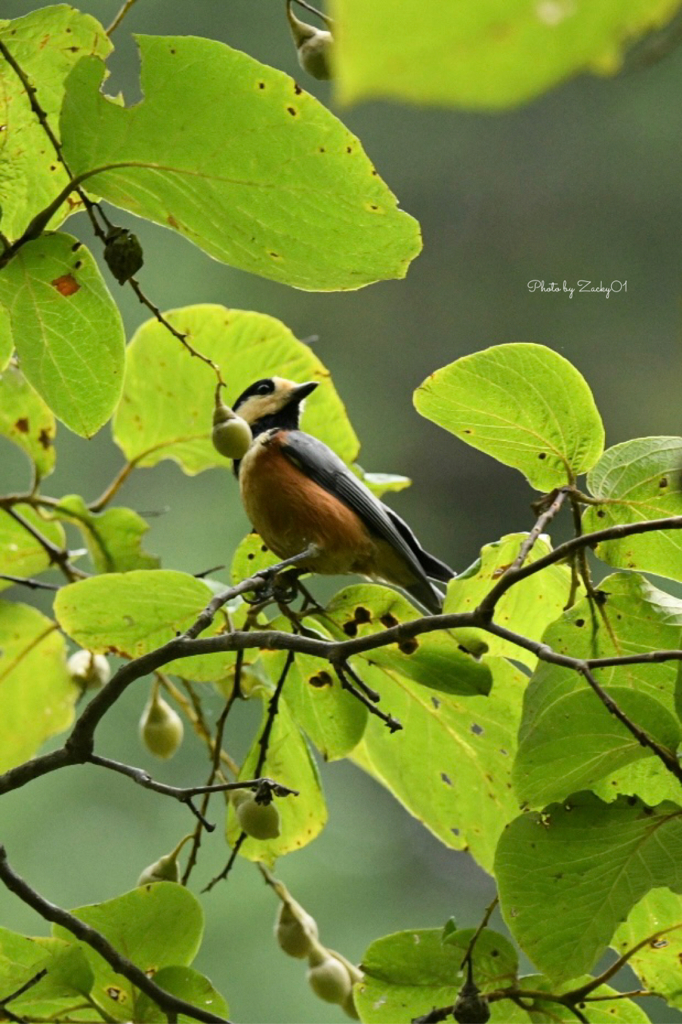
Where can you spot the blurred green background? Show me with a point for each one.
(582, 184)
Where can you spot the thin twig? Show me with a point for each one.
(57, 556)
(313, 10)
(120, 16)
(26, 582)
(542, 521)
(167, 1002)
(26, 987)
(475, 937)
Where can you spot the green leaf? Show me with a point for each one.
(436, 660)
(130, 613)
(332, 718)
(290, 763)
(603, 1011)
(523, 404)
(67, 330)
(638, 480)
(174, 422)
(382, 483)
(450, 766)
(68, 977)
(287, 192)
(569, 875)
(114, 537)
(410, 972)
(46, 44)
(38, 694)
(187, 984)
(6, 339)
(568, 740)
(155, 926)
(20, 553)
(251, 556)
(657, 917)
(26, 420)
(527, 608)
(490, 55)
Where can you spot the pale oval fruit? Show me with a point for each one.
(165, 869)
(161, 728)
(295, 932)
(91, 671)
(314, 55)
(232, 437)
(330, 980)
(260, 821)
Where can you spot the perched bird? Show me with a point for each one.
(300, 496)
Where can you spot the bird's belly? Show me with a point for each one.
(290, 512)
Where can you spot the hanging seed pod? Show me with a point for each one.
(231, 434)
(90, 671)
(166, 868)
(313, 46)
(123, 254)
(295, 930)
(161, 728)
(260, 821)
(328, 977)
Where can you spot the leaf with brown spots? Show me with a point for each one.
(26, 420)
(66, 284)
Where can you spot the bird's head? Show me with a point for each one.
(273, 402)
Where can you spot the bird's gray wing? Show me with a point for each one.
(323, 466)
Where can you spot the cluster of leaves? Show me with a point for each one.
(498, 701)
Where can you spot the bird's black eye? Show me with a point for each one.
(264, 389)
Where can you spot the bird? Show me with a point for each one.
(302, 498)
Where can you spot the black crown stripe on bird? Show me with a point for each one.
(297, 492)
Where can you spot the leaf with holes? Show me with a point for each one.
(46, 44)
(270, 182)
(656, 918)
(437, 660)
(38, 694)
(67, 330)
(567, 739)
(582, 866)
(484, 56)
(638, 480)
(527, 608)
(26, 420)
(290, 763)
(450, 766)
(174, 422)
(523, 404)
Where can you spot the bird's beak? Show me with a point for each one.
(302, 391)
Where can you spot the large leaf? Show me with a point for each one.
(67, 329)
(638, 480)
(135, 612)
(26, 420)
(657, 917)
(491, 54)
(20, 553)
(436, 660)
(155, 926)
(450, 766)
(568, 740)
(569, 875)
(237, 157)
(46, 44)
(523, 404)
(114, 537)
(528, 607)
(38, 694)
(174, 421)
(68, 979)
(187, 984)
(290, 763)
(408, 973)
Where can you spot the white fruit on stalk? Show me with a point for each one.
(161, 727)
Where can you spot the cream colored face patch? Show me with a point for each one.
(257, 406)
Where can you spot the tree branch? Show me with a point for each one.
(168, 1003)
